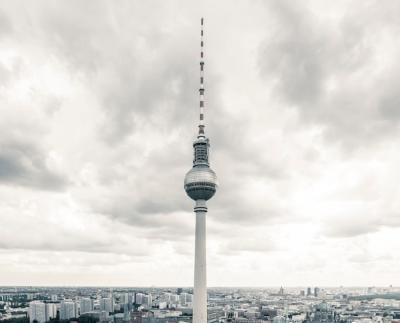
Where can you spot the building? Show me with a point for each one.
(106, 305)
(215, 314)
(86, 305)
(143, 299)
(93, 314)
(185, 299)
(160, 320)
(279, 319)
(173, 299)
(123, 298)
(322, 313)
(200, 185)
(104, 316)
(67, 310)
(51, 311)
(37, 312)
(139, 298)
(147, 301)
(119, 318)
(131, 300)
(136, 317)
(42, 312)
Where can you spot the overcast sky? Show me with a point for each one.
(98, 111)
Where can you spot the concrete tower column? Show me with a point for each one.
(200, 267)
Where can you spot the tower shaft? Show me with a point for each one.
(200, 265)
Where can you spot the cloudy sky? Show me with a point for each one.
(98, 110)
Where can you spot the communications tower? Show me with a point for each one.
(200, 185)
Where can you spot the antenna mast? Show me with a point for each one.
(201, 90)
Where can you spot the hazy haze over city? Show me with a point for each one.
(98, 111)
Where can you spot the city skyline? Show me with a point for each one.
(97, 119)
(166, 305)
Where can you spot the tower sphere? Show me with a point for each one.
(201, 183)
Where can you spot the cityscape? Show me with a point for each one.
(245, 305)
(111, 112)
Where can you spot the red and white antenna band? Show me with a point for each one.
(201, 90)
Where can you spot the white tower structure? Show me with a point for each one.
(200, 185)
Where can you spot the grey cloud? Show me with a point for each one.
(234, 206)
(52, 105)
(367, 223)
(145, 77)
(156, 220)
(294, 53)
(157, 93)
(45, 258)
(156, 192)
(327, 69)
(62, 245)
(5, 23)
(242, 243)
(24, 164)
(64, 238)
(128, 212)
(7, 74)
(4, 75)
(350, 229)
(136, 64)
(364, 257)
(147, 80)
(156, 188)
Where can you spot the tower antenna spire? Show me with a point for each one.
(200, 185)
(201, 90)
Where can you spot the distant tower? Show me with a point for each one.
(200, 185)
